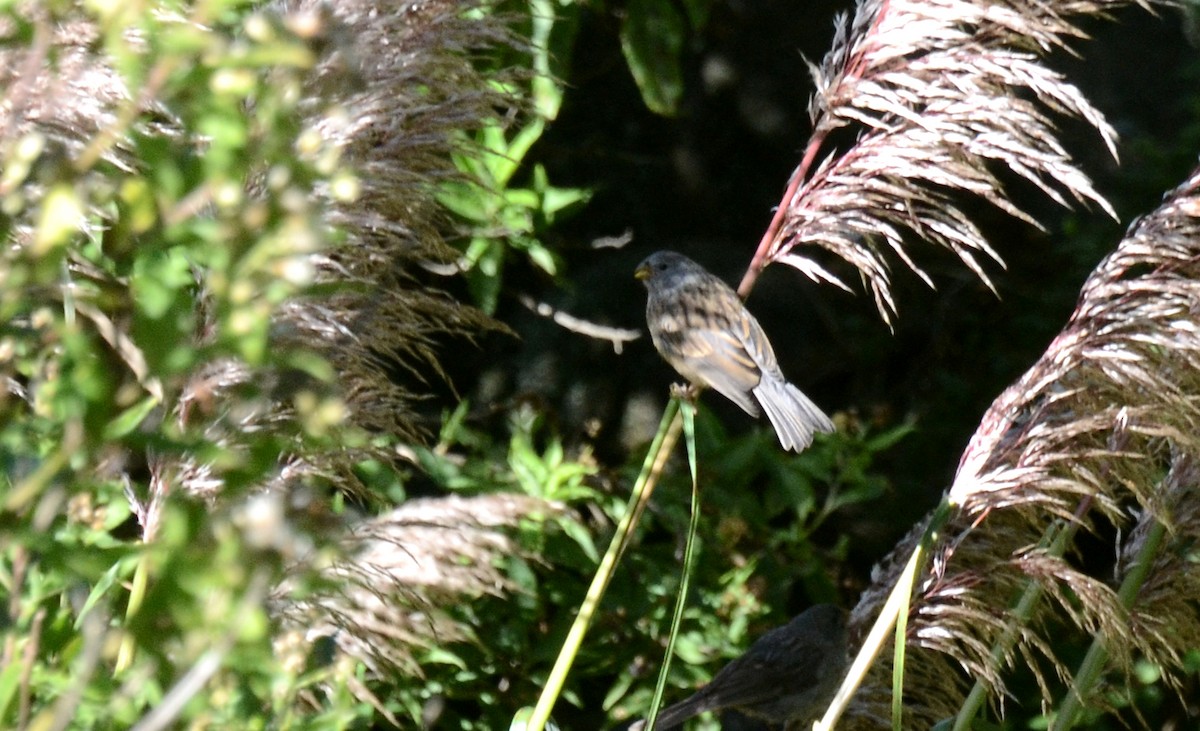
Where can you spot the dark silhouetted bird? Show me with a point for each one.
(787, 676)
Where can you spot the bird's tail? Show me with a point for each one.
(672, 716)
(794, 415)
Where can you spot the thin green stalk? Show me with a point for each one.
(1021, 613)
(1097, 655)
(688, 410)
(904, 588)
(660, 449)
(1085, 678)
(897, 602)
(137, 594)
(1137, 574)
(974, 701)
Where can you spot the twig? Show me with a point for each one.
(29, 662)
(613, 242)
(618, 336)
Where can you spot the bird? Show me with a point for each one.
(701, 328)
(786, 677)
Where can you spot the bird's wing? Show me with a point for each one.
(718, 359)
(755, 343)
(744, 684)
(748, 682)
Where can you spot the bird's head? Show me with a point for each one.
(663, 267)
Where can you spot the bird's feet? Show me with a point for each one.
(685, 392)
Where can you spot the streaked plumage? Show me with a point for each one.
(701, 327)
(787, 676)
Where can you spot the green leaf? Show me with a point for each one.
(697, 12)
(617, 691)
(454, 422)
(442, 656)
(516, 222)
(652, 41)
(9, 678)
(890, 437)
(578, 533)
(543, 258)
(100, 589)
(555, 200)
(140, 208)
(311, 363)
(495, 157)
(552, 38)
(484, 278)
(692, 648)
(159, 281)
(467, 200)
(130, 418)
(61, 217)
(518, 147)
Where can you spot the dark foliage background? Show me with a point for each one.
(704, 182)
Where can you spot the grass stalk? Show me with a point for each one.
(1058, 537)
(656, 458)
(896, 604)
(1093, 663)
(688, 411)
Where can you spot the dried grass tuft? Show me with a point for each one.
(940, 96)
(1100, 433)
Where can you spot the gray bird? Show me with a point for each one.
(700, 326)
(786, 677)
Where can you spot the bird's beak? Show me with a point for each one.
(642, 272)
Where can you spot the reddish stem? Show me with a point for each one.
(766, 246)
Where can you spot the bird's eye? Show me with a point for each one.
(662, 267)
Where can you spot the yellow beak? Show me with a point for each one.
(642, 272)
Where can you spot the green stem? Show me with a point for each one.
(1031, 595)
(1097, 655)
(897, 601)
(664, 442)
(32, 486)
(137, 594)
(689, 430)
(974, 701)
(903, 588)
